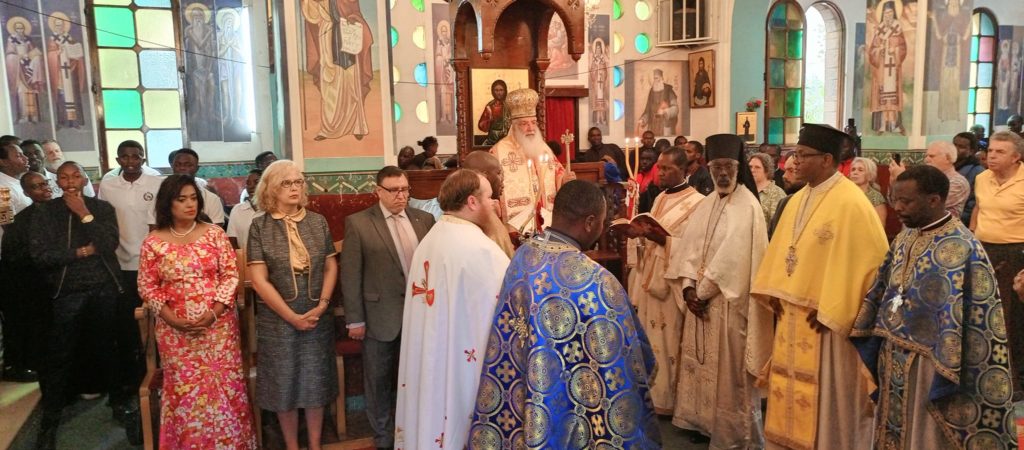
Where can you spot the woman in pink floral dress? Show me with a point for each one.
(188, 273)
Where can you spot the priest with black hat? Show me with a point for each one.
(820, 263)
(726, 342)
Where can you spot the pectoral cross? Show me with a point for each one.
(897, 302)
(791, 261)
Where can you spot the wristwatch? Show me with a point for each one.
(88, 218)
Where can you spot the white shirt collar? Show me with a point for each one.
(388, 214)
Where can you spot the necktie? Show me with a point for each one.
(406, 243)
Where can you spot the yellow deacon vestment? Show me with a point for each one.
(823, 257)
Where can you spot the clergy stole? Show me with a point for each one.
(453, 287)
(529, 187)
(827, 267)
(723, 354)
(656, 297)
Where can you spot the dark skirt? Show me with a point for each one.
(1008, 260)
(295, 369)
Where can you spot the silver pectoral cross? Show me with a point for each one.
(897, 302)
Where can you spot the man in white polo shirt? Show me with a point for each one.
(133, 194)
(243, 213)
(186, 162)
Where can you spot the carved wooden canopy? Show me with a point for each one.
(507, 34)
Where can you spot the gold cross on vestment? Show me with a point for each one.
(791, 261)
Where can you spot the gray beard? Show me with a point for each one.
(53, 166)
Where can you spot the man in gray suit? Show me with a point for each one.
(379, 243)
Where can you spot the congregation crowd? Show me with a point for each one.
(764, 276)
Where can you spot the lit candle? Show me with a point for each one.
(636, 155)
(629, 166)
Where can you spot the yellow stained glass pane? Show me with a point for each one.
(423, 112)
(974, 75)
(984, 101)
(115, 137)
(161, 109)
(794, 73)
(112, 2)
(792, 133)
(118, 68)
(419, 38)
(154, 28)
(616, 42)
(976, 24)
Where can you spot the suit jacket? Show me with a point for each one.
(372, 282)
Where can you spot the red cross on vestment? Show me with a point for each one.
(425, 290)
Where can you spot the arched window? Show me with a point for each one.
(785, 72)
(983, 55)
(823, 90)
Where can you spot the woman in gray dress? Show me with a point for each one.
(293, 270)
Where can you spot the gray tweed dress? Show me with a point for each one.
(295, 369)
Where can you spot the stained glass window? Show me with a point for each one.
(983, 54)
(785, 66)
(138, 75)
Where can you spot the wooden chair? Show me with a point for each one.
(152, 382)
(245, 303)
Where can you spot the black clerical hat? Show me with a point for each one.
(724, 146)
(730, 146)
(822, 138)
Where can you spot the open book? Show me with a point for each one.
(645, 220)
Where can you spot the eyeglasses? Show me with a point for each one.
(298, 182)
(396, 191)
(799, 156)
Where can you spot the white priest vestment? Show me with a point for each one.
(656, 297)
(454, 280)
(722, 355)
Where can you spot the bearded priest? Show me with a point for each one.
(449, 304)
(726, 339)
(532, 173)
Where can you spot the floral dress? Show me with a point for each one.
(204, 403)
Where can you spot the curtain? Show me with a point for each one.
(561, 116)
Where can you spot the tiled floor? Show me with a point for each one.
(88, 425)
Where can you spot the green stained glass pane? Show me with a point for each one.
(984, 99)
(155, 28)
(778, 16)
(974, 48)
(115, 137)
(776, 73)
(794, 73)
(616, 10)
(792, 130)
(398, 112)
(776, 102)
(115, 27)
(642, 43)
(794, 102)
(122, 109)
(794, 17)
(162, 109)
(972, 96)
(795, 46)
(777, 44)
(987, 27)
(118, 68)
(394, 37)
(775, 131)
(418, 4)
